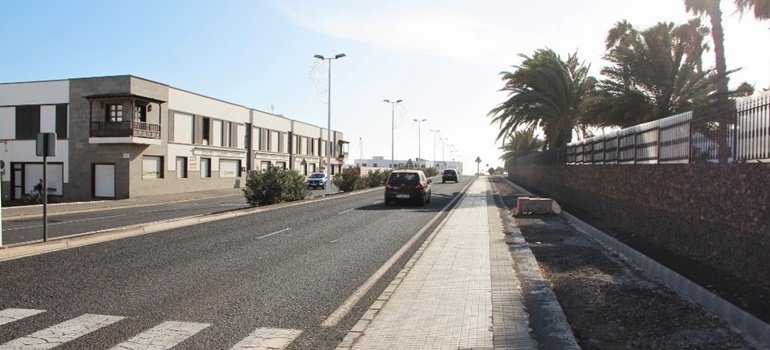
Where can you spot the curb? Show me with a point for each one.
(88, 238)
(752, 328)
(360, 327)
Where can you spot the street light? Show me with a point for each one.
(443, 148)
(435, 132)
(419, 141)
(392, 128)
(329, 117)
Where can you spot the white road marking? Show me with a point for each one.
(335, 241)
(268, 339)
(11, 315)
(346, 211)
(274, 233)
(163, 336)
(61, 333)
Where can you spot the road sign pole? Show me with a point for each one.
(44, 188)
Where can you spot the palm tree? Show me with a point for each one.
(545, 92)
(653, 74)
(761, 7)
(520, 143)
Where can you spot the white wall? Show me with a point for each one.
(269, 121)
(33, 93)
(216, 128)
(24, 151)
(48, 118)
(184, 101)
(306, 130)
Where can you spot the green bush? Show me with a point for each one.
(274, 185)
(430, 172)
(349, 180)
(376, 178)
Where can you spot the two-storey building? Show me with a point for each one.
(124, 136)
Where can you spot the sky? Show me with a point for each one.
(442, 58)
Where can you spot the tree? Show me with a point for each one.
(761, 8)
(545, 92)
(652, 74)
(520, 143)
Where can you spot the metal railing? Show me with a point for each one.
(738, 133)
(125, 129)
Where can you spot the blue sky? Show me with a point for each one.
(441, 57)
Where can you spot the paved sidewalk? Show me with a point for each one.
(461, 293)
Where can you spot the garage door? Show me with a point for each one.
(104, 180)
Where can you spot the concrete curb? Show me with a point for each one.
(360, 327)
(554, 331)
(88, 238)
(752, 328)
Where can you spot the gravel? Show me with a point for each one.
(610, 304)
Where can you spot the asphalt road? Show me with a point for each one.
(215, 284)
(17, 231)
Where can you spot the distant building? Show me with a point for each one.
(125, 136)
(381, 162)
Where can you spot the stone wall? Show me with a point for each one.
(714, 214)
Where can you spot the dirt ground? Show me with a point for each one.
(610, 304)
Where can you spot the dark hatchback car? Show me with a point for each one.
(407, 185)
(450, 175)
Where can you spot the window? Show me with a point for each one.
(206, 130)
(280, 165)
(61, 121)
(27, 122)
(152, 167)
(227, 131)
(181, 167)
(229, 168)
(183, 128)
(114, 112)
(205, 167)
(265, 165)
(255, 139)
(273, 141)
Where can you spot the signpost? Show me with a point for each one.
(478, 162)
(45, 147)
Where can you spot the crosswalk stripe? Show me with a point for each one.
(163, 336)
(10, 315)
(268, 339)
(61, 333)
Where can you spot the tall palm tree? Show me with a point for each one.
(653, 74)
(714, 12)
(545, 92)
(761, 7)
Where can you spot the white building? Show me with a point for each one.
(125, 136)
(381, 162)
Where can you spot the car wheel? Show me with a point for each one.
(429, 196)
(442, 181)
(387, 202)
(422, 200)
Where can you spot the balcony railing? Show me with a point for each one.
(125, 129)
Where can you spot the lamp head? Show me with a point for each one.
(319, 57)
(339, 55)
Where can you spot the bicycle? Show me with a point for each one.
(33, 197)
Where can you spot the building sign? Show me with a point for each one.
(215, 152)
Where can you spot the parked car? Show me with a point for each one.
(450, 175)
(408, 185)
(316, 180)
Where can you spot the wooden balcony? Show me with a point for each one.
(125, 132)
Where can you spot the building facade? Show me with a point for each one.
(381, 162)
(125, 136)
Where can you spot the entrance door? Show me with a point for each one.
(17, 181)
(104, 180)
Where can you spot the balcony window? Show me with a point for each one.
(140, 113)
(114, 112)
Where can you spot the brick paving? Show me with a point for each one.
(460, 294)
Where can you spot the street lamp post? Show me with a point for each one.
(443, 148)
(392, 128)
(419, 141)
(435, 132)
(329, 117)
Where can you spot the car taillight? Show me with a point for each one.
(420, 186)
(388, 186)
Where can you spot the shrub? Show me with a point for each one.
(376, 178)
(430, 172)
(274, 185)
(349, 180)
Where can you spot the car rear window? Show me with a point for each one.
(401, 179)
(316, 176)
(449, 172)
